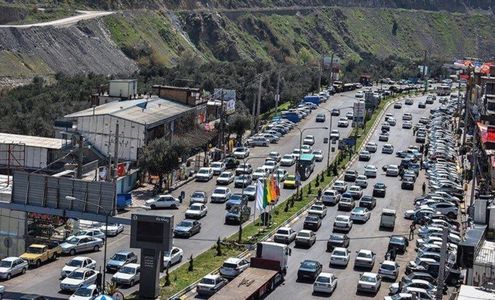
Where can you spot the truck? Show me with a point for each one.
(365, 80)
(266, 271)
(36, 254)
(312, 99)
(291, 116)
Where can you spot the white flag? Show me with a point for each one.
(259, 196)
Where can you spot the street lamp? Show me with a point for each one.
(107, 215)
(301, 131)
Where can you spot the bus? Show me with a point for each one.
(444, 90)
(306, 165)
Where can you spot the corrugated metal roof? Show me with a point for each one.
(142, 111)
(32, 141)
(486, 254)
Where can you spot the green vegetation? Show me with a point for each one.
(26, 14)
(22, 66)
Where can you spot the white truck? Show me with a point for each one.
(265, 272)
(387, 219)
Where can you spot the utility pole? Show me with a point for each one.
(259, 103)
(253, 124)
(109, 171)
(277, 96)
(222, 116)
(331, 70)
(320, 63)
(443, 260)
(424, 74)
(116, 152)
(80, 157)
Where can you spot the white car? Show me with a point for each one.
(355, 191)
(407, 125)
(318, 209)
(387, 149)
(360, 214)
(325, 283)
(128, 275)
(340, 256)
(78, 278)
(369, 282)
(85, 292)
(11, 266)
(370, 171)
(287, 160)
(407, 117)
(233, 266)
(226, 177)
(318, 155)
(172, 257)
(284, 235)
(163, 201)
(218, 167)
(76, 263)
(220, 194)
(343, 122)
(330, 197)
(112, 229)
(94, 232)
(340, 186)
(274, 156)
(365, 259)
(342, 223)
(204, 174)
(349, 115)
(334, 135)
(361, 181)
(389, 269)
(392, 170)
(259, 173)
(296, 153)
(241, 152)
(270, 166)
(309, 140)
(281, 175)
(196, 211)
(210, 284)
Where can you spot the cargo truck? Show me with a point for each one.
(265, 272)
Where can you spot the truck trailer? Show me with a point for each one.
(265, 273)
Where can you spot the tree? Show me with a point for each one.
(191, 264)
(160, 157)
(238, 124)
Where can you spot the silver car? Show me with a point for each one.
(12, 266)
(81, 244)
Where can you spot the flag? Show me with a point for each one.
(267, 197)
(274, 190)
(260, 195)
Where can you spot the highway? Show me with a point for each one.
(212, 225)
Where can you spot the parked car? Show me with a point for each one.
(163, 201)
(187, 228)
(12, 266)
(93, 232)
(81, 244)
(128, 275)
(112, 229)
(369, 282)
(86, 292)
(399, 242)
(389, 269)
(364, 259)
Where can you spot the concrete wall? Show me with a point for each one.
(125, 184)
(12, 227)
(124, 89)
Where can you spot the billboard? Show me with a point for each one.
(359, 111)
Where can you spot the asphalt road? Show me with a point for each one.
(45, 280)
(363, 236)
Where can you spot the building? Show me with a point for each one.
(467, 292)
(29, 152)
(132, 124)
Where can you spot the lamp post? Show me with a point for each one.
(107, 215)
(298, 162)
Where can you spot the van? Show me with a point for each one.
(387, 219)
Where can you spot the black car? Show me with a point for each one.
(419, 275)
(336, 112)
(379, 189)
(367, 201)
(231, 163)
(398, 242)
(337, 240)
(320, 117)
(187, 228)
(237, 214)
(309, 269)
(407, 183)
(350, 175)
(421, 105)
(312, 222)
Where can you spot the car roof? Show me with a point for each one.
(80, 258)
(132, 265)
(11, 258)
(124, 252)
(232, 260)
(369, 274)
(389, 262)
(212, 276)
(366, 251)
(324, 274)
(304, 231)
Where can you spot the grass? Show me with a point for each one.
(26, 14)
(271, 113)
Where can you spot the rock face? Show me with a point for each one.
(83, 48)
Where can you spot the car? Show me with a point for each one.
(340, 257)
(355, 191)
(369, 282)
(196, 211)
(392, 170)
(259, 173)
(407, 183)
(275, 156)
(78, 278)
(250, 192)
(337, 240)
(383, 137)
(258, 141)
(199, 197)
(343, 123)
(347, 202)
(128, 275)
(210, 284)
(330, 197)
(391, 121)
(447, 208)
(305, 238)
(340, 186)
(244, 168)
(385, 127)
(334, 135)
(387, 149)
(85, 292)
(172, 257)
(325, 283)
(407, 117)
(112, 229)
(335, 112)
(233, 266)
(371, 147)
(271, 137)
(407, 125)
(364, 259)
(399, 243)
(270, 166)
(424, 285)
(370, 171)
(368, 202)
(309, 269)
(187, 228)
(75, 263)
(389, 269)
(296, 153)
(243, 180)
(287, 160)
(421, 105)
(290, 182)
(225, 178)
(320, 118)
(379, 189)
(220, 195)
(318, 155)
(350, 175)
(241, 152)
(12, 266)
(119, 259)
(217, 167)
(81, 244)
(419, 275)
(364, 155)
(204, 174)
(312, 222)
(342, 223)
(397, 105)
(281, 174)
(94, 232)
(231, 162)
(409, 101)
(318, 209)
(236, 199)
(163, 201)
(360, 214)
(349, 115)
(361, 181)
(309, 140)
(284, 235)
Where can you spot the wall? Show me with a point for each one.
(12, 226)
(126, 183)
(124, 89)
(23, 156)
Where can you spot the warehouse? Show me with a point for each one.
(138, 121)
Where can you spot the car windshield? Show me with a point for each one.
(76, 275)
(336, 238)
(303, 234)
(119, 257)
(229, 265)
(323, 279)
(127, 270)
(83, 292)
(195, 207)
(387, 267)
(5, 264)
(73, 241)
(35, 250)
(225, 175)
(339, 253)
(216, 165)
(308, 264)
(396, 240)
(250, 189)
(74, 263)
(364, 255)
(184, 224)
(287, 156)
(219, 191)
(197, 195)
(368, 279)
(208, 281)
(315, 207)
(203, 171)
(341, 219)
(283, 231)
(312, 218)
